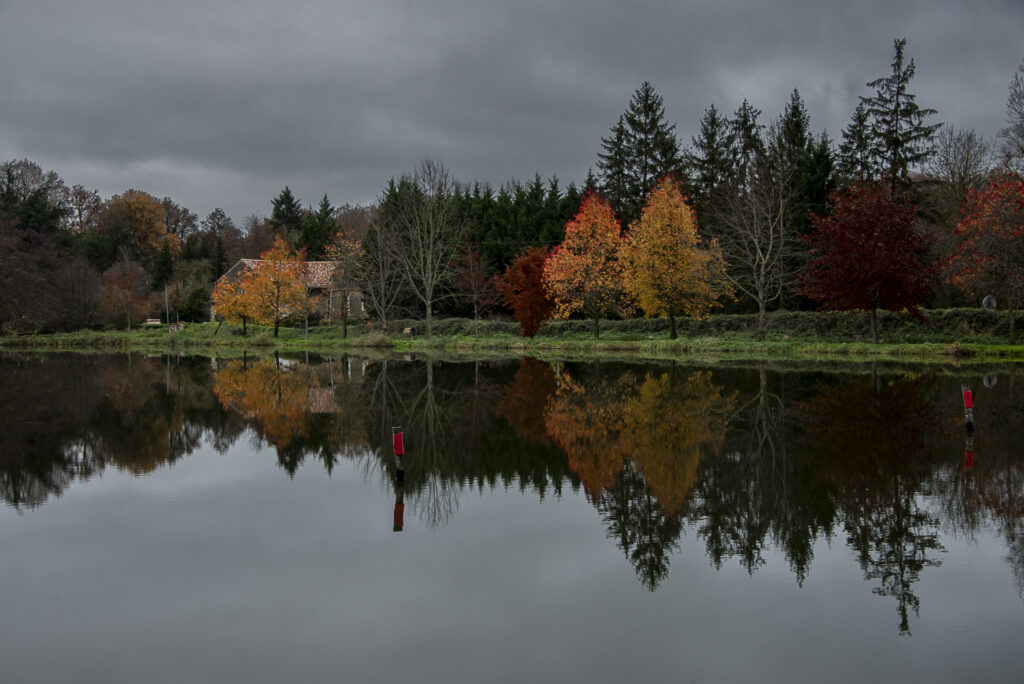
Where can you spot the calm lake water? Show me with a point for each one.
(175, 519)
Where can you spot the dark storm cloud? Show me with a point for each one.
(223, 105)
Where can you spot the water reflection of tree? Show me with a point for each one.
(756, 491)
(636, 446)
(873, 444)
(69, 417)
(294, 406)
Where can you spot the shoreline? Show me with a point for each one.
(204, 338)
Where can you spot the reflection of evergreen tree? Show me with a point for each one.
(892, 541)
(640, 527)
(872, 441)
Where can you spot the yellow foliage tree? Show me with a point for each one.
(667, 270)
(276, 287)
(584, 273)
(230, 304)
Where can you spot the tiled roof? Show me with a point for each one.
(318, 273)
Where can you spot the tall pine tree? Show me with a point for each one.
(900, 139)
(641, 149)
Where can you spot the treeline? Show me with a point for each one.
(764, 197)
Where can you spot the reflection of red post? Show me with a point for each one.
(968, 405)
(969, 453)
(397, 440)
(399, 513)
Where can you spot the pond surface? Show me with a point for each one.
(187, 519)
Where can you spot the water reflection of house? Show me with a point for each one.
(326, 298)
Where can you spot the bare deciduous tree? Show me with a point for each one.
(755, 226)
(426, 229)
(1012, 137)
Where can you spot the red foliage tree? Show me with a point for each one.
(522, 288)
(476, 282)
(990, 256)
(865, 254)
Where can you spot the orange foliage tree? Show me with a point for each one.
(276, 287)
(584, 273)
(667, 271)
(522, 288)
(230, 304)
(990, 256)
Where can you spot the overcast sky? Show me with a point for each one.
(223, 104)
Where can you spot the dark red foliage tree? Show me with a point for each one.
(865, 253)
(990, 256)
(476, 282)
(522, 288)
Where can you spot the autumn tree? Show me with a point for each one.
(990, 254)
(136, 220)
(667, 270)
(346, 253)
(275, 287)
(865, 253)
(230, 303)
(584, 274)
(126, 293)
(522, 288)
(475, 282)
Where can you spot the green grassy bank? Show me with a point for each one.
(946, 335)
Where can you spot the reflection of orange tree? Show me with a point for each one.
(667, 424)
(662, 425)
(586, 424)
(636, 447)
(269, 393)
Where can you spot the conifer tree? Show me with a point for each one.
(641, 149)
(900, 139)
(855, 161)
(286, 217)
(710, 165)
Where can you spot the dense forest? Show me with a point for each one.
(752, 215)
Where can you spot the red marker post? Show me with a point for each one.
(968, 406)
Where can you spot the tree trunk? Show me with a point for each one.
(277, 324)
(344, 322)
(874, 323)
(762, 322)
(671, 326)
(597, 328)
(428, 322)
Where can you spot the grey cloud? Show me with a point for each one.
(224, 105)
